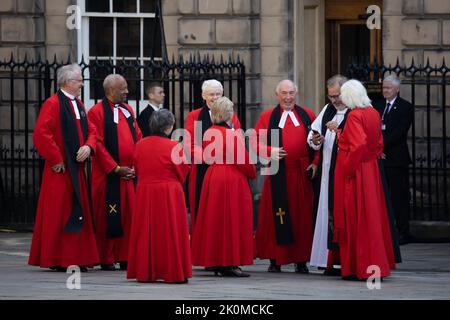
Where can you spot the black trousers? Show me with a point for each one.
(398, 181)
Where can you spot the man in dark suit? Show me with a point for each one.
(155, 94)
(396, 116)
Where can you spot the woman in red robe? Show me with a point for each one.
(223, 235)
(211, 91)
(361, 221)
(63, 234)
(159, 240)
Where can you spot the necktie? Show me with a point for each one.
(386, 110)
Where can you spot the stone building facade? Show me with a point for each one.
(275, 39)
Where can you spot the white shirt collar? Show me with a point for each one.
(155, 108)
(68, 95)
(392, 101)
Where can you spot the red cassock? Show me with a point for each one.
(223, 234)
(196, 156)
(159, 241)
(51, 246)
(360, 219)
(299, 194)
(112, 250)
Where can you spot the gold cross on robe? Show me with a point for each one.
(280, 214)
(112, 208)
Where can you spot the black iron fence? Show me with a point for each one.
(428, 89)
(24, 86)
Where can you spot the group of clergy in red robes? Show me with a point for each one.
(137, 215)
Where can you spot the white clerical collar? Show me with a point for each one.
(343, 111)
(125, 112)
(284, 116)
(74, 104)
(68, 95)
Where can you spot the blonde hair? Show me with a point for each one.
(354, 95)
(222, 110)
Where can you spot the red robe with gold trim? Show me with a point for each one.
(360, 220)
(112, 250)
(51, 246)
(300, 196)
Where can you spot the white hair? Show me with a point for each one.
(394, 79)
(67, 73)
(212, 84)
(354, 95)
(277, 88)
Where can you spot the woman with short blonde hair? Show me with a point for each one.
(222, 111)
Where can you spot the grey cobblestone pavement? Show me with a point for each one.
(424, 274)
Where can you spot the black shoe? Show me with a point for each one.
(123, 266)
(181, 282)
(332, 272)
(83, 269)
(235, 272)
(301, 268)
(350, 278)
(58, 269)
(108, 267)
(273, 267)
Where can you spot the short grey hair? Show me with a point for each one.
(160, 121)
(67, 73)
(354, 95)
(110, 80)
(394, 79)
(212, 83)
(277, 88)
(337, 79)
(222, 110)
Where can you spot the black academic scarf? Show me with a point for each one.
(278, 184)
(71, 146)
(205, 119)
(333, 245)
(113, 205)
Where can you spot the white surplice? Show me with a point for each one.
(319, 252)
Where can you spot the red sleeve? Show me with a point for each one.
(247, 168)
(102, 156)
(258, 139)
(44, 134)
(91, 140)
(181, 169)
(352, 144)
(195, 152)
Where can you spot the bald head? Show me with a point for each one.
(116, 88)
(286, 92)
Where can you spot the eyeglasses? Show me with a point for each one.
(78, 80)
(334, 97)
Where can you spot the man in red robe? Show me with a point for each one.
(197, 122)
(113, 174)
(284, 232)
(63, 233)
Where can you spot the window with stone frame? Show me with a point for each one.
(121, 31)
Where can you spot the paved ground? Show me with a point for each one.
(425, 274)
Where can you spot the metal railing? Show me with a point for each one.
(25, 85)
(427, 88)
